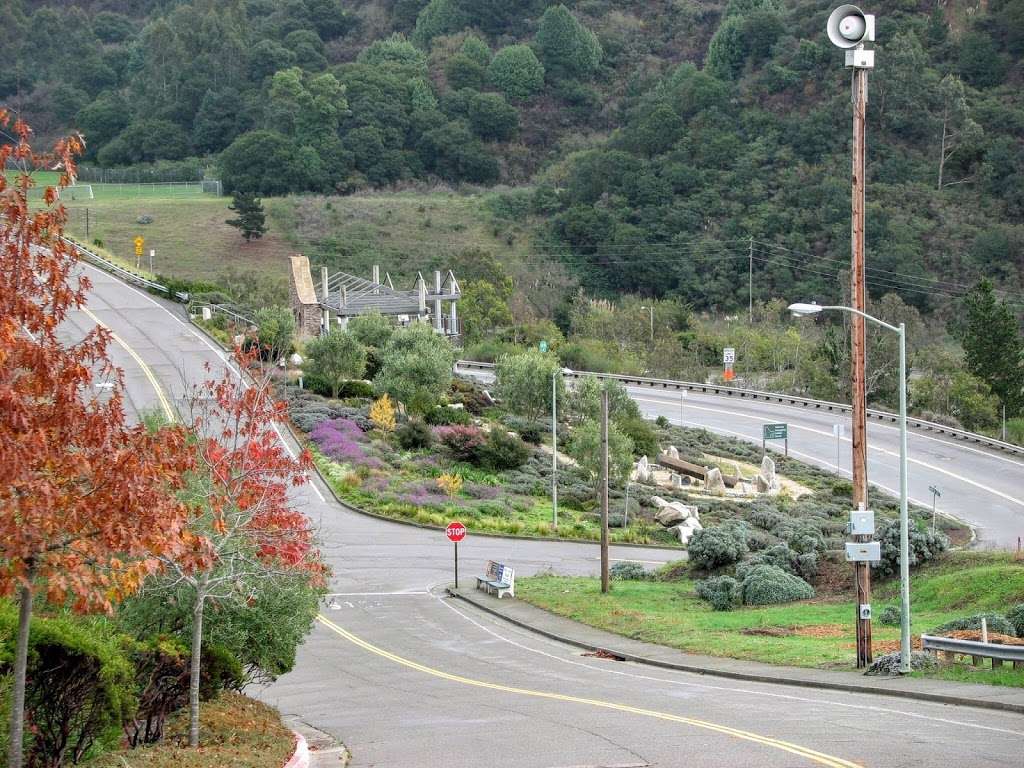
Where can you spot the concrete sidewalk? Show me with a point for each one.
(573, 633)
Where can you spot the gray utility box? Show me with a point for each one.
(868, 551)
(862, 523)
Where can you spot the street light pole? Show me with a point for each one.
(651, 308)
(904, 514)
(554, 451)
(901, 331)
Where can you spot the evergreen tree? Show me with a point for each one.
(251, 220)
(994, 347)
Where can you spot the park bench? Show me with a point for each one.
(490, 575)
(499, 579)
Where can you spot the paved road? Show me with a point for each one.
(409, 679)
(981, 487)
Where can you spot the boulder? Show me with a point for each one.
(762, 485)
(714, 482)
(658, 502)
(693, 524)
(768, 472)
(642, 472)
(683, 532)
(672, 453)
(670, 515)
(676, 479)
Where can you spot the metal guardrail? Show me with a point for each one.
(123, 273)
(773, 397)
(995, 651)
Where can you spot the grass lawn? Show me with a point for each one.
(813, 633)
(236, 732)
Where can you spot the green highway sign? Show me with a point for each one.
(776, 432)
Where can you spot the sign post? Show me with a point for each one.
(543, 346)
(775, 432)
(936, 493)
(729, 358)
(455, 532)
(139, 242)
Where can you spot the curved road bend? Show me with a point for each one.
(408, 679)
(981, 487)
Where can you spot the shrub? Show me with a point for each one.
(1016, 617)
(770, 585)
(662, 422)
(355, 388)
(382, 414)
(414, 435)
(79, 687)
(637, 429)
(723, 592)
(443, 417)
(717, 547)
(531, 431)
(994, 621)
(339, 439)
(924, 545)
(502, 451)
(462, 442)
(890, 616)
(626, 571)
(516, 72)
(889, 664)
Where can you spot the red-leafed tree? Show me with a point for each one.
(239, 496)
(87, 502)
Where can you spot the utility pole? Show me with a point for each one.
(750, 282)
(849, 28)
(605, 586)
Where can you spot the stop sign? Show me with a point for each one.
(455, 531)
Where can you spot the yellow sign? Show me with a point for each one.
(139, 242)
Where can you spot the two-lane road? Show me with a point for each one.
(409, 679)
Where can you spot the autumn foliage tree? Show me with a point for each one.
(239, 497)
(87, 501)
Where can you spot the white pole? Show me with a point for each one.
(554, 452)
(904, 514)
(652, 329)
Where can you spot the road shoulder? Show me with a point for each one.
(573, 633)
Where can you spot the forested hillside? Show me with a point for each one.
(659, 148)
(660, 137)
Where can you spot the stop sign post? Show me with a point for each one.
(456, 532)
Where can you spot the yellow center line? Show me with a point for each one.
(795, 749)
(165, 404)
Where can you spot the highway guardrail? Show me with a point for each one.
(975, 649)
(773, 397)
(128, 275)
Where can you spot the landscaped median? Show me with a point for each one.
(665, 610)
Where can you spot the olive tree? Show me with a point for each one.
(524, 382)
(336, 358)
(416, 367)
(585, 447)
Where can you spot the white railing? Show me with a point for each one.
(773, 397)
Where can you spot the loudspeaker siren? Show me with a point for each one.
(848, 27)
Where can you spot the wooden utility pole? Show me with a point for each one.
(605, 585)
(750, 281)
(858, 362)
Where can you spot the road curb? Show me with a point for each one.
(299, 758)
(874, 690)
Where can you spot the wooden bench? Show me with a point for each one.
(500, 579)
(490, 575)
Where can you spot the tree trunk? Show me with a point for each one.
(17, 730)
(193, 681)
(942, 152)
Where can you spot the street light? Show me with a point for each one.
(651, 308)
(554, 444)
(803, 310)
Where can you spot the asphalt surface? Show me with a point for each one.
(406, 678)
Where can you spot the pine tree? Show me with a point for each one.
(251, 219)
(994, 347)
